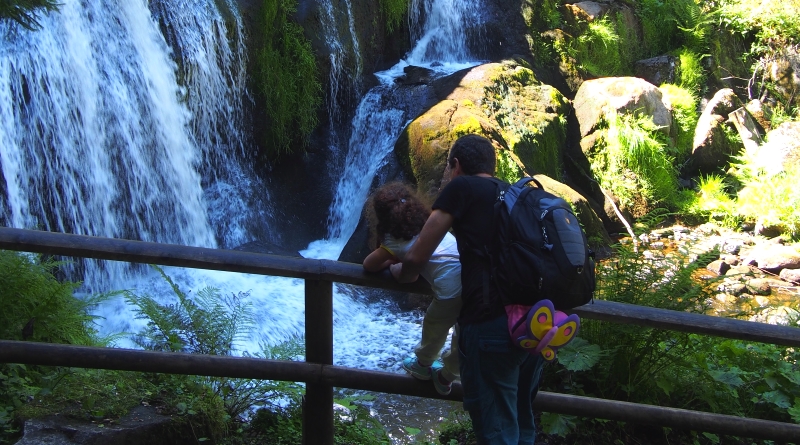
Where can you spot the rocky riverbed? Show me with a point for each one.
(754, 276)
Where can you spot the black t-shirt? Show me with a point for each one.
(470, 200)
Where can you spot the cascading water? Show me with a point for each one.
(94, 136)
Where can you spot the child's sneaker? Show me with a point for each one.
(441, 388)
(413, 367)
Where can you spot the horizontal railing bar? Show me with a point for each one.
(254, 368)
(689, 322)
(349, 273)
(198, 258)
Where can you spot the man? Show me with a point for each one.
(499, 380)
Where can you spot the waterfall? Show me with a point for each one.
(100, 138)
(384, 111)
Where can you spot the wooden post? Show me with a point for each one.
(318, 401)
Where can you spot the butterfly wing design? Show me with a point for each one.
(549, 329)
(565, 330)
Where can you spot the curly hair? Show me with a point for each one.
(395, 209)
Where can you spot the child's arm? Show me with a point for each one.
(379, 259)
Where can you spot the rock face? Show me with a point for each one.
(141, 426)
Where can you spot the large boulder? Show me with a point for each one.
(596, 98)
(502, 101)
(712, 148)
(594, 102)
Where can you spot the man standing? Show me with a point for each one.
(499, 380)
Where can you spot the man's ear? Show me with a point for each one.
(455, 170)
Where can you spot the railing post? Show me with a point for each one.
(318, 402)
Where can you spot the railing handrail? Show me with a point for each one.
(350, 273)
(376, 381)
(319, 373)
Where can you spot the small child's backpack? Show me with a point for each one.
(538, 252)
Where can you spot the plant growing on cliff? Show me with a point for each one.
(394, 11)
(286, 78)
(26, 12)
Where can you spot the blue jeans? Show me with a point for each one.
(500, 382)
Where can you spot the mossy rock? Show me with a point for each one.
(501, 101)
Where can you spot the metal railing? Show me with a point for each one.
(318, 371)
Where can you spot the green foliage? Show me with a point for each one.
(282, 425)
(507, 169)
(394, 11)
(597, 50)
(25, 12)
(685, 117)
(669, 25)
(211, 323)
(286, 77)
(635, 163)
(457, 430)
(690, 72)
(35, 306)
(206, 324)
(757, 190)
(769, 196)
(773, 24)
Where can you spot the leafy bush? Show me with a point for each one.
(34, 306)
(757, 190)
(285, 75)
(25, 12)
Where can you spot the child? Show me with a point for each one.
(396, 217)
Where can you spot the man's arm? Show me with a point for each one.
(432, 233)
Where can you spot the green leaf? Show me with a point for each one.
(665, 385)
(778, 398)
(795, 410)
(729, 377)
(579, 355)
(557, 424)
(412, 431)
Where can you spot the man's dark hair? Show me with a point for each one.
(475, 154)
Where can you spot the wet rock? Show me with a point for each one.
(732, 260)
(734, 288)
(415, 75)
(763, 286)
